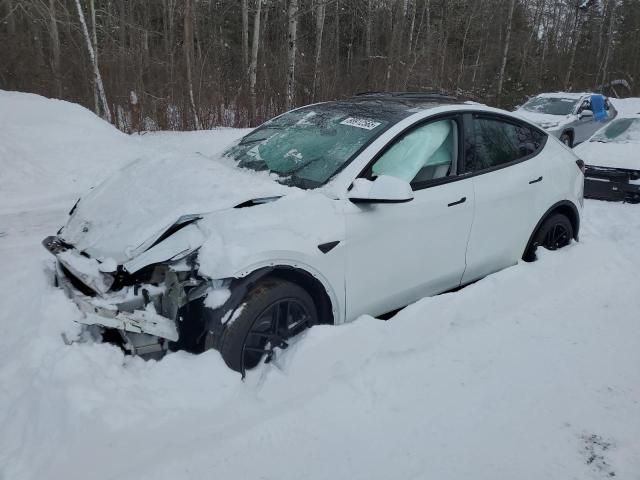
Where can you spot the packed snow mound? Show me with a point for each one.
(626, 106)
(52, 151)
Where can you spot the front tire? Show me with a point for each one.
(273, 312)
(555, 232)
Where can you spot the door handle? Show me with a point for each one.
(539, 179)
(462, 200)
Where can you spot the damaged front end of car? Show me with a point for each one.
(149, 305)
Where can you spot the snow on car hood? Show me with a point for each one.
(123, 216)
(610, 154)
(544, 118)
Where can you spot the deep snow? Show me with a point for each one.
(530, 373)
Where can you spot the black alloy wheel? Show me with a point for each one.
(555, 232)
(557, 237)
(273, 312)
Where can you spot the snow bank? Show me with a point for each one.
(525, 374)
(51, 150)
(627, 106)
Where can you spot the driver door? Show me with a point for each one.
(586, 126)
(398, 253)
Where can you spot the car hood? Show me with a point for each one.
(126, 214)
(544, 118)
(609, 154)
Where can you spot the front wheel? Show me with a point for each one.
(554, 233)
(273, 312)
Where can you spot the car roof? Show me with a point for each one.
(393, 106)
(573, 95)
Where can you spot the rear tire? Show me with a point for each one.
(566, 139)
(555, 232)
(273, 311)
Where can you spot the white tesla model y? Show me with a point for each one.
(322, 214)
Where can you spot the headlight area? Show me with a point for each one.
(147, 313)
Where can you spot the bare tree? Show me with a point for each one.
(253, 66)
(188, 55)
(96, 71)
(320, 12)
(245, 33)
(292, 48)
(577, 30)
(94, 41)
(194, 64)
(54, 38)
(505, 52)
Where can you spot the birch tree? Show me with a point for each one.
(94, 41)
(96, 71)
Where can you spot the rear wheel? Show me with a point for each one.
(554, 233)
(566, 139)
(273, 312)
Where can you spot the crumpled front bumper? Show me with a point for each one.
(108, 312)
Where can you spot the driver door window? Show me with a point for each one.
(427, 153)
(585, 105)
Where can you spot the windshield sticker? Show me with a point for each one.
(360, 123)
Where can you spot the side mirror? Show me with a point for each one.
(384, 189)
(586, 113)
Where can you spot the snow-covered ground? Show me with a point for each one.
(531, 373)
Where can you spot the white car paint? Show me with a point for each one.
(620, 153)
(397, 253)
(388, 255)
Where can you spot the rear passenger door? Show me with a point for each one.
(586, 126)
(501, 155)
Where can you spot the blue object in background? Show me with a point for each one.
(597, 107)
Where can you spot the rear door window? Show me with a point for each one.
(493, 142)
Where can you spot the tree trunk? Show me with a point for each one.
(505, 52)
(337, 51)
(292, 46)
(607, 53)
(577, 28)
(245, 34)
(55, 48)
(253, 66)
(320, 13)
(462, 49)
(94, 40)
(11, 22)
(394, 46)
(96, 71)
(537, 20)
(188, 54)
(368, 36)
